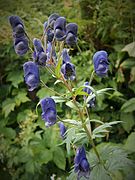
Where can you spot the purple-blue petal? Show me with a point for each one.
(101, 64)
(72, 28)
(71, 39)
(31, 75)
(81, 164)
(68, 70)
(49, 114)
(65, 56)
(62, 129)
(15, 20)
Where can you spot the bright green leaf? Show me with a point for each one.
(16, 77)
(57, 69)
(7, 106)
(129, 106)
(128, 121)
(21, 98)
(130, 142)
(59, 158)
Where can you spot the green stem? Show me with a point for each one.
(83, 124)
(91, 77)
(50, 89)
(91, 141)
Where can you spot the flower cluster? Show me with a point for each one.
(57, 33)
(19, 35)
(56, 28)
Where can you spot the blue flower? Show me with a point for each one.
(49, 32)
(60, 29)
(21, 45)
(31, 75)
(81, 164)
(71, 32)
(91, 103)
(67, 68)
(15, 20)
(49, 114)
(39, 55)
(68, 71)
(101, 64)
(52, 18)
(65, 56)
(51, 54)
(62, 129)
(37, 45)
(19, 35)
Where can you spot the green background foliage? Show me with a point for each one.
(28, 149)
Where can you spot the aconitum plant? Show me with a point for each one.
(52, 52)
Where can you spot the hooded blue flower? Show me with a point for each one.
(49, 114)
(21, 45)
(19, 35)
(67, 68)
(39, 55)
(52, 18)
(15, 20)
(49, 32)
(65, 56)
(101, 64)
(81, 164)
(60, 29)
(91, 103)
(62, 129)
(71, 32)
(51, 54)
(31, 75)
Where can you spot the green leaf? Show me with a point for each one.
(130, 142)
(58, 81)
(45, 156)
(130, 48)
(8, 132)
(71, 121)
(21, 98)
(128, 121)
(70, 135)
(79, 91)
(99, 173)
(129, 106)
(128, 63)
(58, 99)
(44, 92)
(7, 106)
(115, 158)
(59, 158)
(102, 128)
(132, 75)
(57, 69)
(96, 120)
(102, 91)
(16, 77)
(30, 167)
(71, 105)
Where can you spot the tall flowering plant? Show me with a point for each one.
(52, 53)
